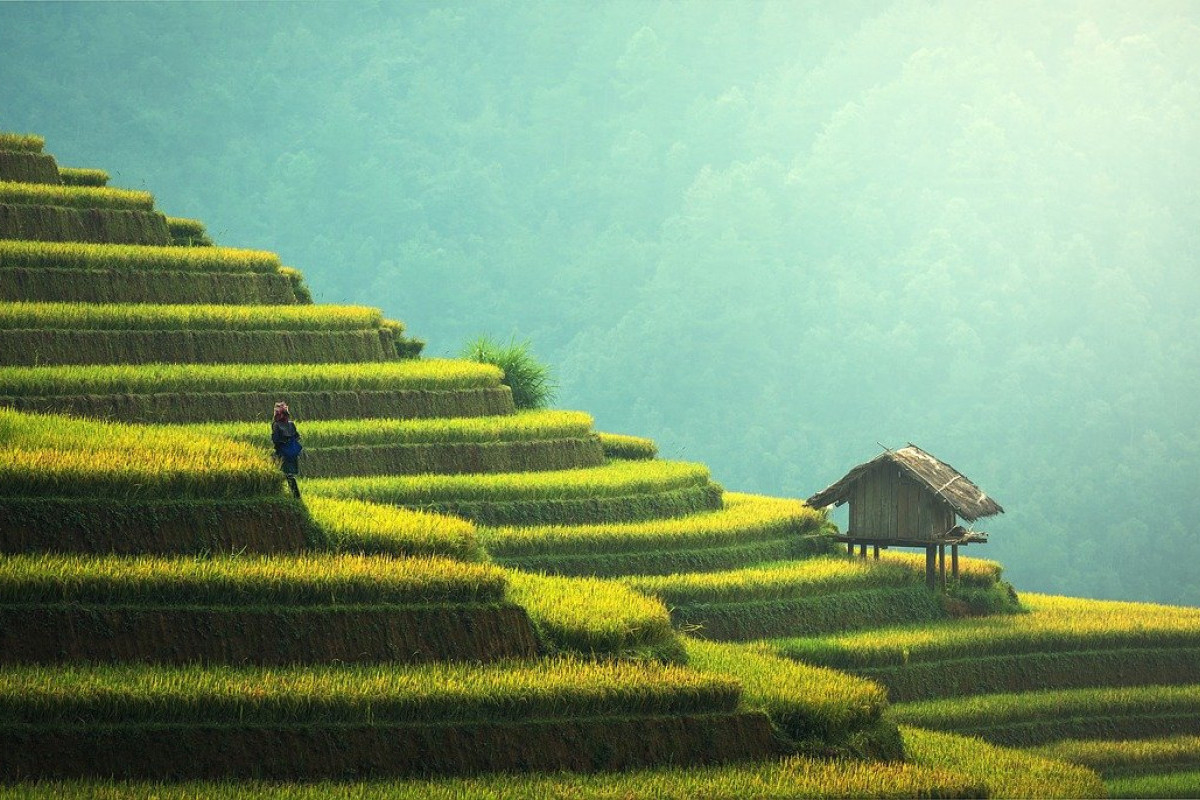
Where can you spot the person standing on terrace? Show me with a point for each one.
(286, 439)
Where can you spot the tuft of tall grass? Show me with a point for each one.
(532, 382)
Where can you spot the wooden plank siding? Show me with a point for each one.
(885, 503)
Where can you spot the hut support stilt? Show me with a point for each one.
(954, 561)
(849, 548)
(876, 552)
(862, 551)
(942, 564)
(931, 566)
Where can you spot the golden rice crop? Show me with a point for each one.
(45, 456)
(745, 518)
(1053, 624)
(616, 479)
(74, 196)
(1185, 785)
(1005, 772)
(326, 580)
(28, 142)
(354, 526)
(81, 176)
(143, 316)
(591, 615)
(210, 378)
(792, 777)
(1118, 757)
(782, 581)
(806, 701)
(439, 692)
(520, 427)
(984, 711)
(81, 255)
(971, 570)
(618, 445)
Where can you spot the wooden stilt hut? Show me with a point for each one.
(908, 498)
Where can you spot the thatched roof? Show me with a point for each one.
(968, 500)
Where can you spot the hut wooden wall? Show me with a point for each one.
(887, 504)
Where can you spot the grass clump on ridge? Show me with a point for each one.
(532, 382)
(744, 518)
(306, 580)
(1184, 785)
(594, 617)
(323, 695)
(616, 479)
(521, 427)
(81, 255)
(211, 378)
(147, 317)
(1005, 772)
(46, 456)
(75, 196)
(354, 526)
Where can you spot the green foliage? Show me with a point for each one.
(75, 196)
(353, 526)
(595, 617)
(532, 383)
(308, 580)
(1005, 772)
(453, 459)
(299, 287)
(82, 255)
(80, 176)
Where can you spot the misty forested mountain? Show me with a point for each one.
(769, 235)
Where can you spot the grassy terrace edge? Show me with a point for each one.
(75, 196)
(192, 317)
(228, 378)
(16, 253)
